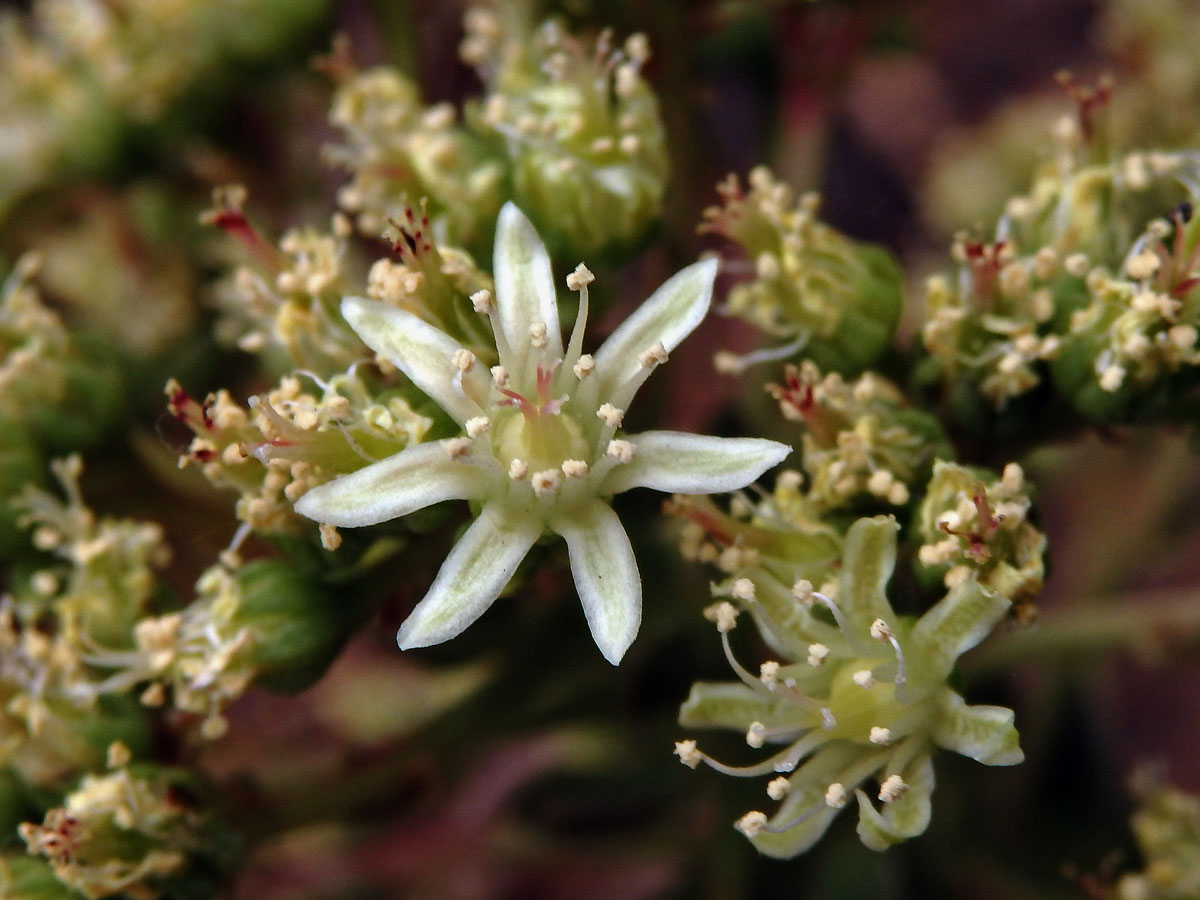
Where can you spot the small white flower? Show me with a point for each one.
(541, 404)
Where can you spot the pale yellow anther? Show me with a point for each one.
(835, 796)
(724, 614)
(688, 753)
(545, 481)
(620, 450)
(580, 278)
(630, 144)
(481, 301)
(457, 447)
(892, 789)
(1142, 265)
(655, 356)
(518, 470)
(574, 468)
(751, 823)
(463, 360)
(611, 415)
(817, 654)
(477, 426)
(802, 591)
(756, 735)
(864, 679)
(331, 538)
(537, 336)
(880, 735)
(768, 673)
(499, 376)
(584, 366)
(880, 630)
(1112, 378)
(743, 589)
(778, 788)
(1077, 265)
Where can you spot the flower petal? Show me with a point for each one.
(525, 294)
(956, 623)
(733, 705)
(984, 733)
(903, 818)
(471, 578)
(606, 575)
(679, 463)
(412, 479)
(422, 352)
(804, 808)
(668, 316)
(867, 563)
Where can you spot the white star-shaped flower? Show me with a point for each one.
(539, 449)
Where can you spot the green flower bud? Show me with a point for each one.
(857, 692)
(396, 148)
(833, 299)
(973, 525)
(581, 128)
(124, 832)
(863, 446)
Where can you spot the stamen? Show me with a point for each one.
(621, 451)
(688, 753)
(880, 735)
(611, 415)
(835, 795)
(655, 356)
(751, 823)
(778, 788)
(881, 632)
(499, 376)
(482, 302)
(518, 470)
(545, 482)
(584, 366)
(538, 336)
(478, 425)
(892, 789)
(574, 468)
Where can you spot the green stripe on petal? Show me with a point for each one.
(868, 559)
(668, 316)
(412, 479)
(984, 733)
(679, 463)
(471, 578)
(422, 352)
(525, 294)
(956, 623)
(606, 576)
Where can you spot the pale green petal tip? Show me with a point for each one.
(986, 734)
(901, 818)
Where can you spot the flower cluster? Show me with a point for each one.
(117, 833)
(973, 526)
(540, 447)
(291, 440)
(1062, 292)
(833, 299)
(862, 442)
(857, 693)
(579, 124)
(396, 148)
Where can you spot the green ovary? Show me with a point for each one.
(857, 709)
(541, 440)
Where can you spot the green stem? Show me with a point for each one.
(1148, 623)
